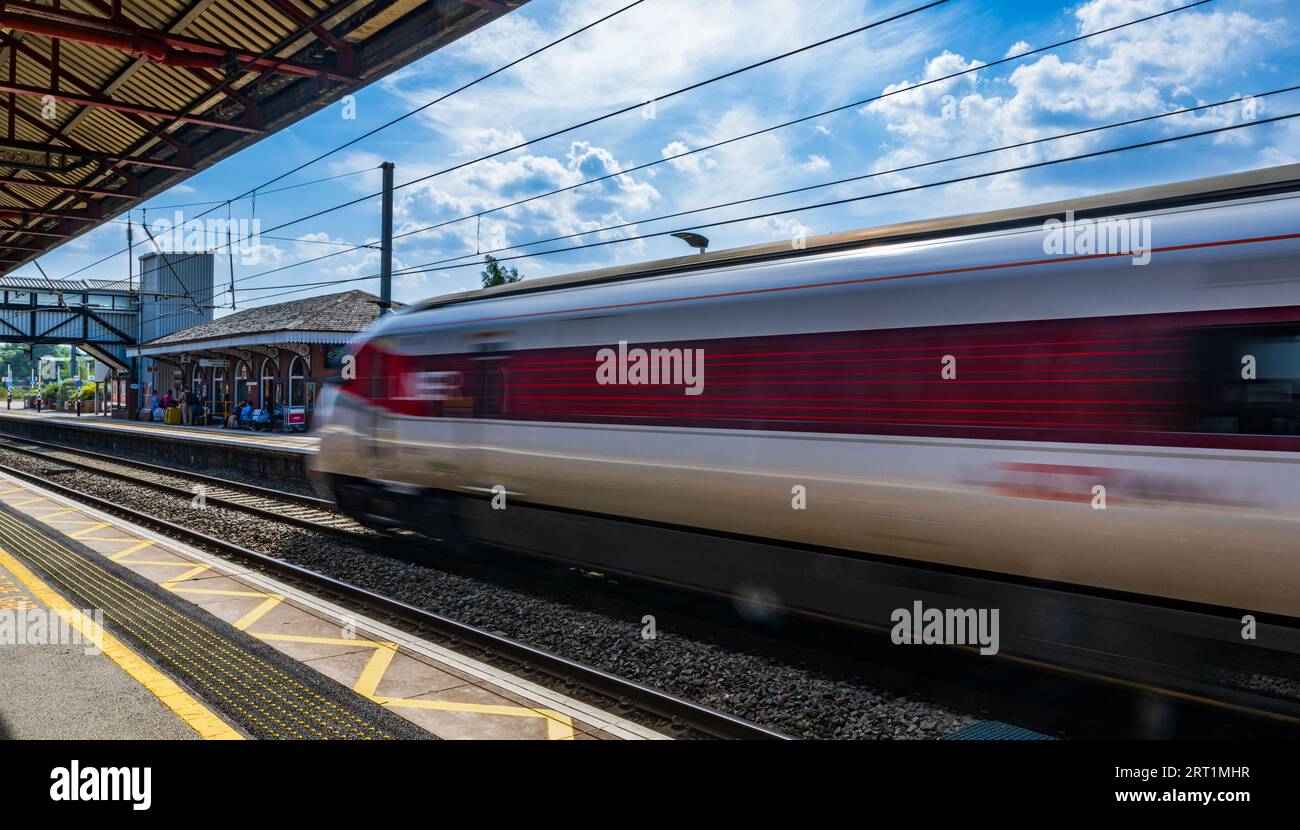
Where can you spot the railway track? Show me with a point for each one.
(569, 673)
(928, 675)
(265, 502)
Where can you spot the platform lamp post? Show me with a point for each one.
(386, 245)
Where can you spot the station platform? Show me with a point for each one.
(192, 645)
(268, 458)
(286, 442)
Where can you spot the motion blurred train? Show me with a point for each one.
(1092, 398)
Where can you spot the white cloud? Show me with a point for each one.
(816, 163)
(694, 164)
(1130, 73)
(1017, 48)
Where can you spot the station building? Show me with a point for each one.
(274, 354)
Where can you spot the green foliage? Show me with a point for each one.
(67, 391)
(494, 274)
(17, 357)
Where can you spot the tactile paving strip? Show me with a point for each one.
(263, 693)
(449, 694)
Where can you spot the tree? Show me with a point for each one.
(494, 274)
(19, 359)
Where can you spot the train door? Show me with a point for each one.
(375, 432)
(486, 384)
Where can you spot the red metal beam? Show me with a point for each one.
(28, 232)
(22, 215)
(136, 109)
(347, 58)
(160, 47)
(76, 149)
(66, 188)
(183, 159)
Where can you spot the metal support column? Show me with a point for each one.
(386, 246)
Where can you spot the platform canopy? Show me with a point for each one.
(109, 102)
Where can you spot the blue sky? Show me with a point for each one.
(1224, 49)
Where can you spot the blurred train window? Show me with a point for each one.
(491, 399)
(492, 390)
(1267, 403)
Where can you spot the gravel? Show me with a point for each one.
(798, 701)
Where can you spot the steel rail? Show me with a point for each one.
(627, 692)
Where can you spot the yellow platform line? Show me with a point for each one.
(197, 716)
(169, 562)
(559, 727)
(26, 502)
(46, 518)
(194, 570)
(94, 526)
(125, 552)
(373, 674)
(314, 640)
(272, 600)
(216, 592)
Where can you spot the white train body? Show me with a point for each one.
(979, 401)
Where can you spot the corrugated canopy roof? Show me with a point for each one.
(144, 93)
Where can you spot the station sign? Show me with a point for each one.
(209, 363)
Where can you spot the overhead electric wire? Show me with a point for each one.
(421, 108)
(461, 88)
(877, 174)
(260, 192)
(801, 120)
(691, 87)
(352, 246)
(862, 102)
(681, 91)
(424, 268)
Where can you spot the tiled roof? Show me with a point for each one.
(349, 311)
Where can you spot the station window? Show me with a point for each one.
(99, 300)
(218, 396)
(20, 297)
(48, 299)
(297, 382)
(243, 376)
(269, 373)
(1253, 380)
(123, 303)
